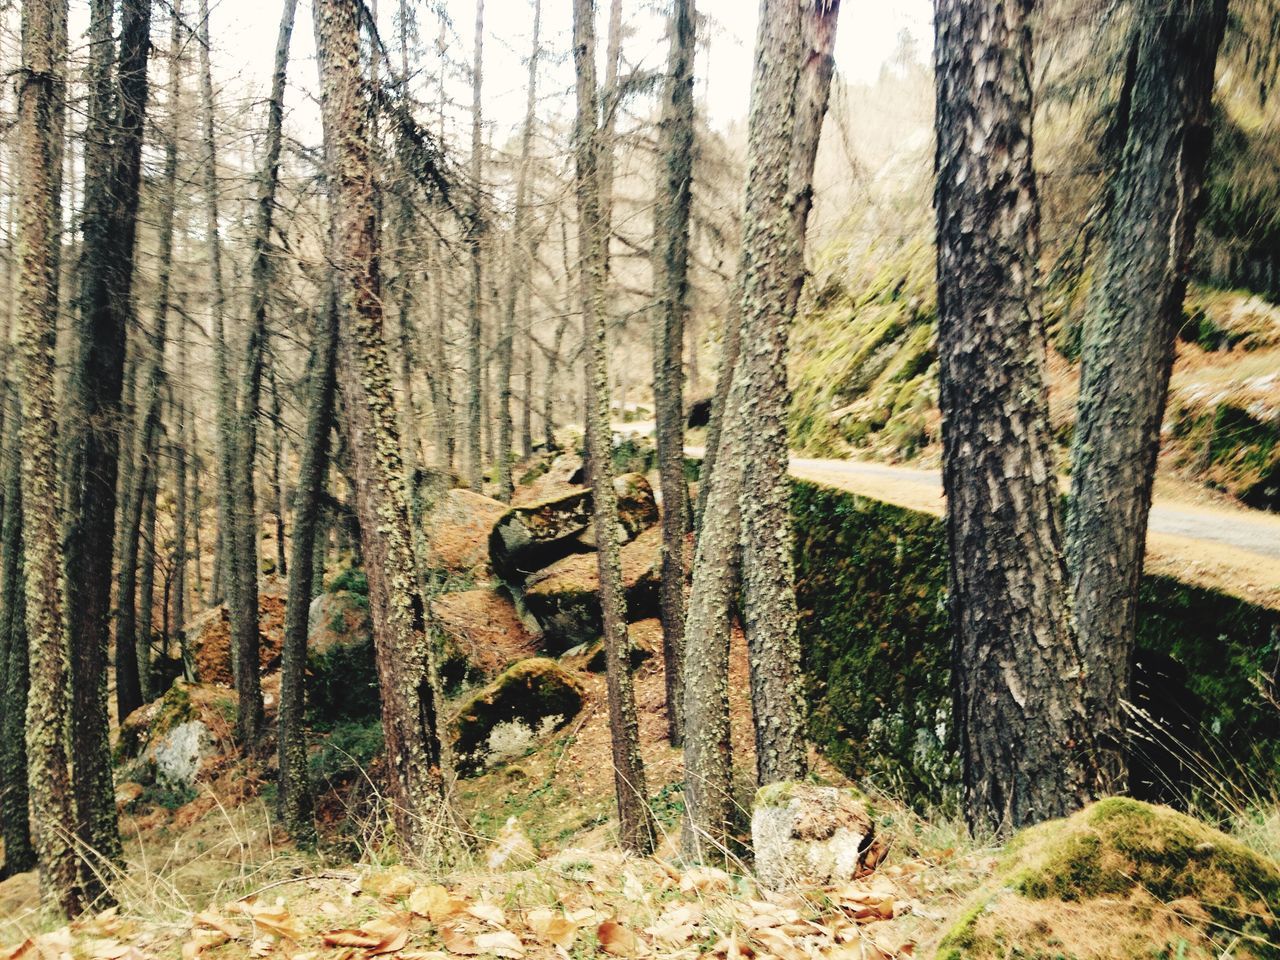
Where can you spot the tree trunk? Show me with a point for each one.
(1016, 670)
(671, 290)
(183, 504)
(225, 401)
(147, 581)
(1134, 312)
(522, 258)
(475, 232)
(41, 99)
(277, 471)
(112, 177)
(15, 822)
(244, 607)
(406, 663)
(635, 827)
(295, 793)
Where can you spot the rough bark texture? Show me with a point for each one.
(670, 260)
(771, 251)
(406, 666)
(475, 233)
(295, 793)
(1016, 669)
(15, 823)
(635, 823)
(1134, 311)
(522, 257)
(41, 93)
(94, 390)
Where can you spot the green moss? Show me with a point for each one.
(1137, 867)
(344, 752)
(351, 580)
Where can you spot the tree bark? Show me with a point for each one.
(15, 820)
(244, 607)
(522, 258)
(671, 290)
(41, 99)
(112, 178)
(295, 792)
(635, 823)
(406, 660)
(1016, 670)
(475, 233)
(1134, 312)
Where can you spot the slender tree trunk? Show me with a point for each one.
(112, 178)
(526, 385)
(41, 100)
(295, 792)
(225, 398)
(1016, 669)
(475, 233)
(182, 503)
(147, 580)
(671, 288)
(635, 823)
(406, 664)
(1134, 312)
(15, 822)
(277, 471)
(521, 257)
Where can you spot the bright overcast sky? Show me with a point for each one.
(244, 34)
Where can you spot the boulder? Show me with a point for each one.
(637, 509)
(550, 479)
(1122, 880)
(457, 532)
(646, 640)
(524, 704)
(481, 634)
(564, 598)
(527, 538)
(806, 836)
(209, 637)
(340, 617)
(168, 740)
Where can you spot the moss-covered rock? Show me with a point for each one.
(530, 537)
(168, 740)
(525, 703)
(565, 597)
(342, 675)
(1123, 880)
(338, 617)
(646, 641)
(806, 835)
(457, 532)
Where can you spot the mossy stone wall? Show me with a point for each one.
(871, 584)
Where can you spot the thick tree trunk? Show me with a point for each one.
(522, 262)
(112, 177)
(1016, 669)
(406, 664)
(15, 822)
(1134, 312)
(295, 792)
(475, 233)
(635, 823)
(41, 99)
(671, 290)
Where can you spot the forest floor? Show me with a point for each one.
(534, 871)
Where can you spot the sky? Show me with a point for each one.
(244, 33)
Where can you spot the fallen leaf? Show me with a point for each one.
(348, 937)
(552, 926)
(390, 884)
(616, 939)
(215, 921)
(706, 880)
(432, 902)
(456, 940)
(489, 912)
(503, 943)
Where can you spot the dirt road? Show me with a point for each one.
(1229, 548)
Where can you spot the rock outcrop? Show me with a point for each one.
(457, 531)
(565, 597)
(525, 703)
(481, 634)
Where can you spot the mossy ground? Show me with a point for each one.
(1123, 880)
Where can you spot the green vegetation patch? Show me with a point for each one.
(1123, 879)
